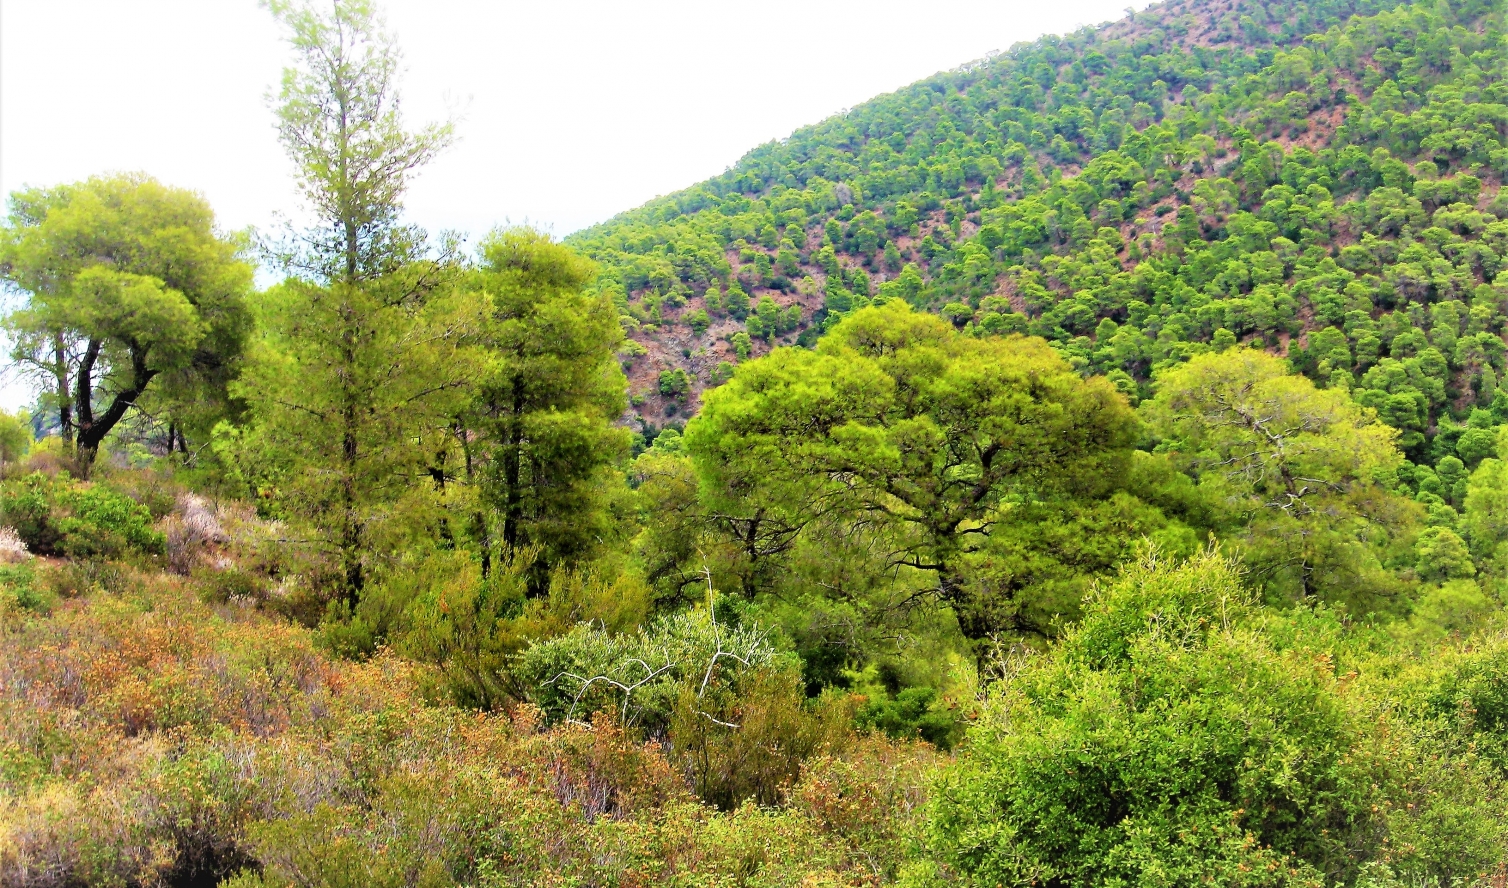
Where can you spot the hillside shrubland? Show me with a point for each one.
(1087, 467)
(159, 728)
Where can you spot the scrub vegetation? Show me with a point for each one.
(1088, 467)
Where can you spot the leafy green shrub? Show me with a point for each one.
(1163, 743)
(420, 832)
(60, 516)
(155, 487)
(675, 383)
(457, 621)
(26, 505)
(18, 583)
(231, 583)
(745, 739)
(70, 579)
(734, 711)
(437, 608)
(1471, 695)
(639, 675)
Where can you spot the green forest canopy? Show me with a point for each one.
(1086, 467)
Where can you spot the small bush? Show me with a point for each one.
(230, 584)
(639, 675)
(439, 609)
(154, 488)
(872, 794)
(746, 739)
(911, 714)
(454, 619)
(60, 516)
(18, 583)
(71, 579)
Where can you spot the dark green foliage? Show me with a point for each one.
(538, 439)
(675, 383)
(19, 585)
(912, 713)
(1332, 195)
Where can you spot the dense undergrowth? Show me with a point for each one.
(1130, 508)
(164, 723)
(168, 729)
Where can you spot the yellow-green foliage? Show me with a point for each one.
(1166, 741)
(60, 516)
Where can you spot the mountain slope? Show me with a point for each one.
(1318, 177)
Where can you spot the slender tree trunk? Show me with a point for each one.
(65, 400)
(513, 458)
(351, 525)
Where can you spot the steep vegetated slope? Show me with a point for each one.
(1319, 178)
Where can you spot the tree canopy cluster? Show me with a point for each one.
(1087, 467)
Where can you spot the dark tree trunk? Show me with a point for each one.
(350, 533)
(513, 457)
(65, 400)
(437, 475)
(93, 429)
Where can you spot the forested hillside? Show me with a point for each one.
(1200, 175)
(1085, 468)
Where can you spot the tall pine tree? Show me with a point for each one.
(543, 417)
(364, 348)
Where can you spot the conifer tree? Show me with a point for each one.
(363, 349)
(542, 422)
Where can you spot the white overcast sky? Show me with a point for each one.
(569, 110)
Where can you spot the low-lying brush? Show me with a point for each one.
(151, 733)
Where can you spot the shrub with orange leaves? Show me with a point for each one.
(151, 734)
